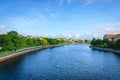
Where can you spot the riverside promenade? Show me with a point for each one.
(25, 51)
(105, 49)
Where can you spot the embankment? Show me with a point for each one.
(105, 49)
(26, 51)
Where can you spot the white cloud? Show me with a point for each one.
(113, 27)
(50, 12)
(2, 26)
(69, 1)
(107, 29)
(61, 2)
(30, 21)
(88, 2)
(10, 4)
(90, 35)
(100, 31)
(67, 35)
(95, 31)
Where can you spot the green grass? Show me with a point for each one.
(4, 52)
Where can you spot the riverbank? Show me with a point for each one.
(105, 49)
(25, 51)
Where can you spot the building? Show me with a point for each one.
(29, 36)
(112, 37)
(117, 36)
(39, 38)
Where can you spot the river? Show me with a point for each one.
(71, 62)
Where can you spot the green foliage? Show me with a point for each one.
(23, 42)
(16, 42)
(12, 41)
(117, 44)
(39, 42)
(35, 42)
(93, 42)
(44, 41)
(12, 33)
(5, 42)
(87, 41)
(105, 43)
(52, 41)
(29, 42)
(99, 42)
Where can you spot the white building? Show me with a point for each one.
(112, 37)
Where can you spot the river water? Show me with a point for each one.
(71, 62)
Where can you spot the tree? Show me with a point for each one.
(106, 42)
(23, 42)
(16, 42)
(15, 39)
(51, 41)
(87, 41)
(117, 44)
(5, 42)
(35, 42)
(30, 42)
(93, 42)
(12, 33)
(99, 43)
(105, 45)
(39, 42)
(44, 42)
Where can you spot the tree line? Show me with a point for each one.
(13, 41)
(105, 43)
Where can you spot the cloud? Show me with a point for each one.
(2, 26)
(10, 4)
(67, 35)
(101, 30)
(69, 1)
(111, 30)
(50, 12)
(30, 21)
(113, 27)
(108, 28)
(88, 2)
(61, 2)
(94, 31)
(90, 35)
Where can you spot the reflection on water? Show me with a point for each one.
(72, 62)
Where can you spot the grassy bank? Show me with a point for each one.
(7, 57)
(4, 53)
(105, 49)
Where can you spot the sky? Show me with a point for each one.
(82, 19)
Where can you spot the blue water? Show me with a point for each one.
(72, 62)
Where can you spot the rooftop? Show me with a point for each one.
(112, 35)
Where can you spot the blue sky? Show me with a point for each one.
(60, 18)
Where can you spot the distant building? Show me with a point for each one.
(117, 36)
(112, 37)
(39, 38)
(29, 36)
(21, 35)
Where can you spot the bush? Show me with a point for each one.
(117, 44)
